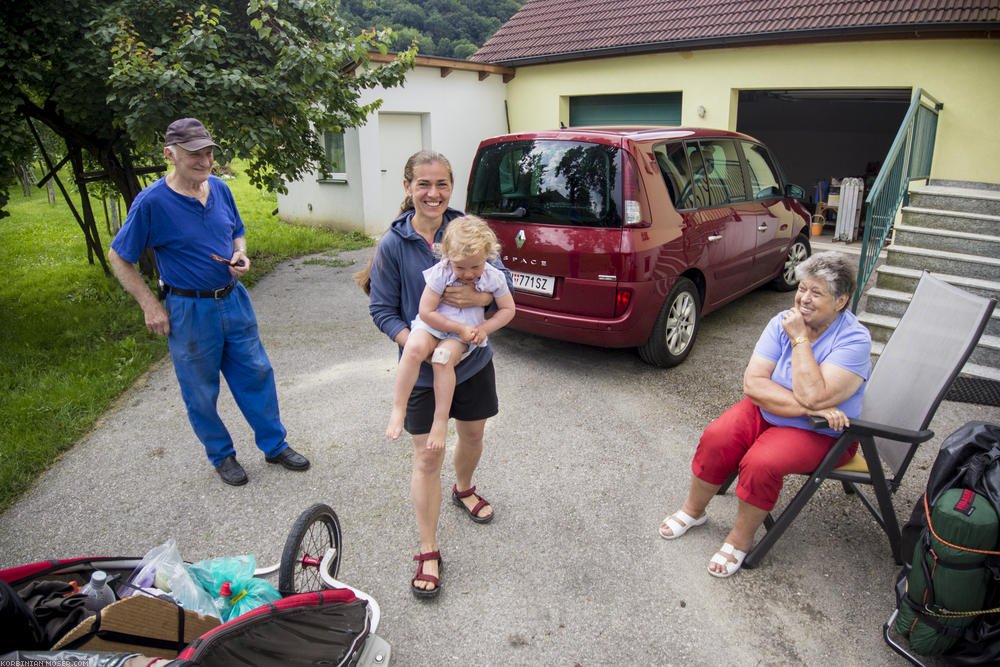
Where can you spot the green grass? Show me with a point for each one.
(71, 339)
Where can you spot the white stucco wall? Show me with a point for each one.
(456, 112)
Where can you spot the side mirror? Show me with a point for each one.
(793, 191)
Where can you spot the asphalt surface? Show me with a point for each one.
(590, 450)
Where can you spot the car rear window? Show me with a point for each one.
(548, 181)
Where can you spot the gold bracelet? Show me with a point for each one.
(800, 339)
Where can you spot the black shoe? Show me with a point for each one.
(289, 458)
(231, 471)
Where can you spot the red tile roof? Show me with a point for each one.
(544, 30)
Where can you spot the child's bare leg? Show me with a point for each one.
(418, 347)
(444, 389)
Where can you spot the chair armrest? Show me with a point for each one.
(862, 427)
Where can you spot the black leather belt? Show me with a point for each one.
(220, 293)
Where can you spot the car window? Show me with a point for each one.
(548, 181)
(715, 166)
(765, 182)
(673, 164)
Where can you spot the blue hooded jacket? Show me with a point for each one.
(397, 282)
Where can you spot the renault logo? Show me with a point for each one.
(519, 239)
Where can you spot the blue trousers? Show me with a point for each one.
(209, 336)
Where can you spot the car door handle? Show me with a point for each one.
(715, 237)
(762, 228)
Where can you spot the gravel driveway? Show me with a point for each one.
(590, 450)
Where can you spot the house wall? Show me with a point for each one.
(455, 113)
(961, 73)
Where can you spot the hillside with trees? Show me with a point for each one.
(451, 28)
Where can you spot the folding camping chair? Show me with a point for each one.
(925, 353)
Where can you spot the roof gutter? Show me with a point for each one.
(931, 30)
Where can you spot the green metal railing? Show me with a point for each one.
(909, 159)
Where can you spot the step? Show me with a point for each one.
(984, 372)
(825, 243)
(950, 198)
(941, 261)
(968, 185)
(953, 220)
(881, 326)
(970, 369)
(891, 302)
(987, 351)
(905, 280)
(973, 243)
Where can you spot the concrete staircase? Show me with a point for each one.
(951, 229)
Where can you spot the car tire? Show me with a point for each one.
(675, 328)
(797, 253)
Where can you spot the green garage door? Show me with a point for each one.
(632, 109)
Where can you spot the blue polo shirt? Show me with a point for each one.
(846, 343)
(183, 233)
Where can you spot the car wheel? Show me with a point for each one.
(798, 252)
(675, 328)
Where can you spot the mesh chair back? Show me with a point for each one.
(931, 343)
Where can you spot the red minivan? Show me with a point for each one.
(625, 237)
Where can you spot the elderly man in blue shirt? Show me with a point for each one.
(189, 219)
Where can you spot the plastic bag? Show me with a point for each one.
(162, 568)
(233, 586)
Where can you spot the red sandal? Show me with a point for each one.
(456, 497)
(420, 576)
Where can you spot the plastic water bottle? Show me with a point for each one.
(97, 592)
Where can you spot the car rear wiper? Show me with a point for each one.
(518, 212)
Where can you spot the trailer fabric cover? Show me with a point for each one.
(325, 627)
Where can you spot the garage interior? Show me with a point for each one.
(821, 135)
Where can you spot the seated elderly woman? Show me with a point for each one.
(812, 359)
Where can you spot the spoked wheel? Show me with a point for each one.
(316, 531)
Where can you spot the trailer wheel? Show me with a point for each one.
(316, 531)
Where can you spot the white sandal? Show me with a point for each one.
(679, 523)
(731, 567)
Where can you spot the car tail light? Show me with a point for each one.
(622, 300)
(634, 211)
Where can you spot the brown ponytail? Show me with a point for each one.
(364, 277)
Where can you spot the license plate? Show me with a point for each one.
(529, 282)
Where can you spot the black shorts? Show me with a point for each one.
(474, 399)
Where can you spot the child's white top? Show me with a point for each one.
(441, 275)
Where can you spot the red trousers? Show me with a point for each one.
(741, 440)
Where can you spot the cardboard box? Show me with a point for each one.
(138, 624)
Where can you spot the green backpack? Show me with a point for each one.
(948, 581)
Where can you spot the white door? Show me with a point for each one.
(399, 137)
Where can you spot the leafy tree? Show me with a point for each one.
(412, 36)
(450, 25)
(408, 14)
(463, 48)
(505, 9)
(268, 77)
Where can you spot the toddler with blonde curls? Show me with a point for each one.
(443, 334)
